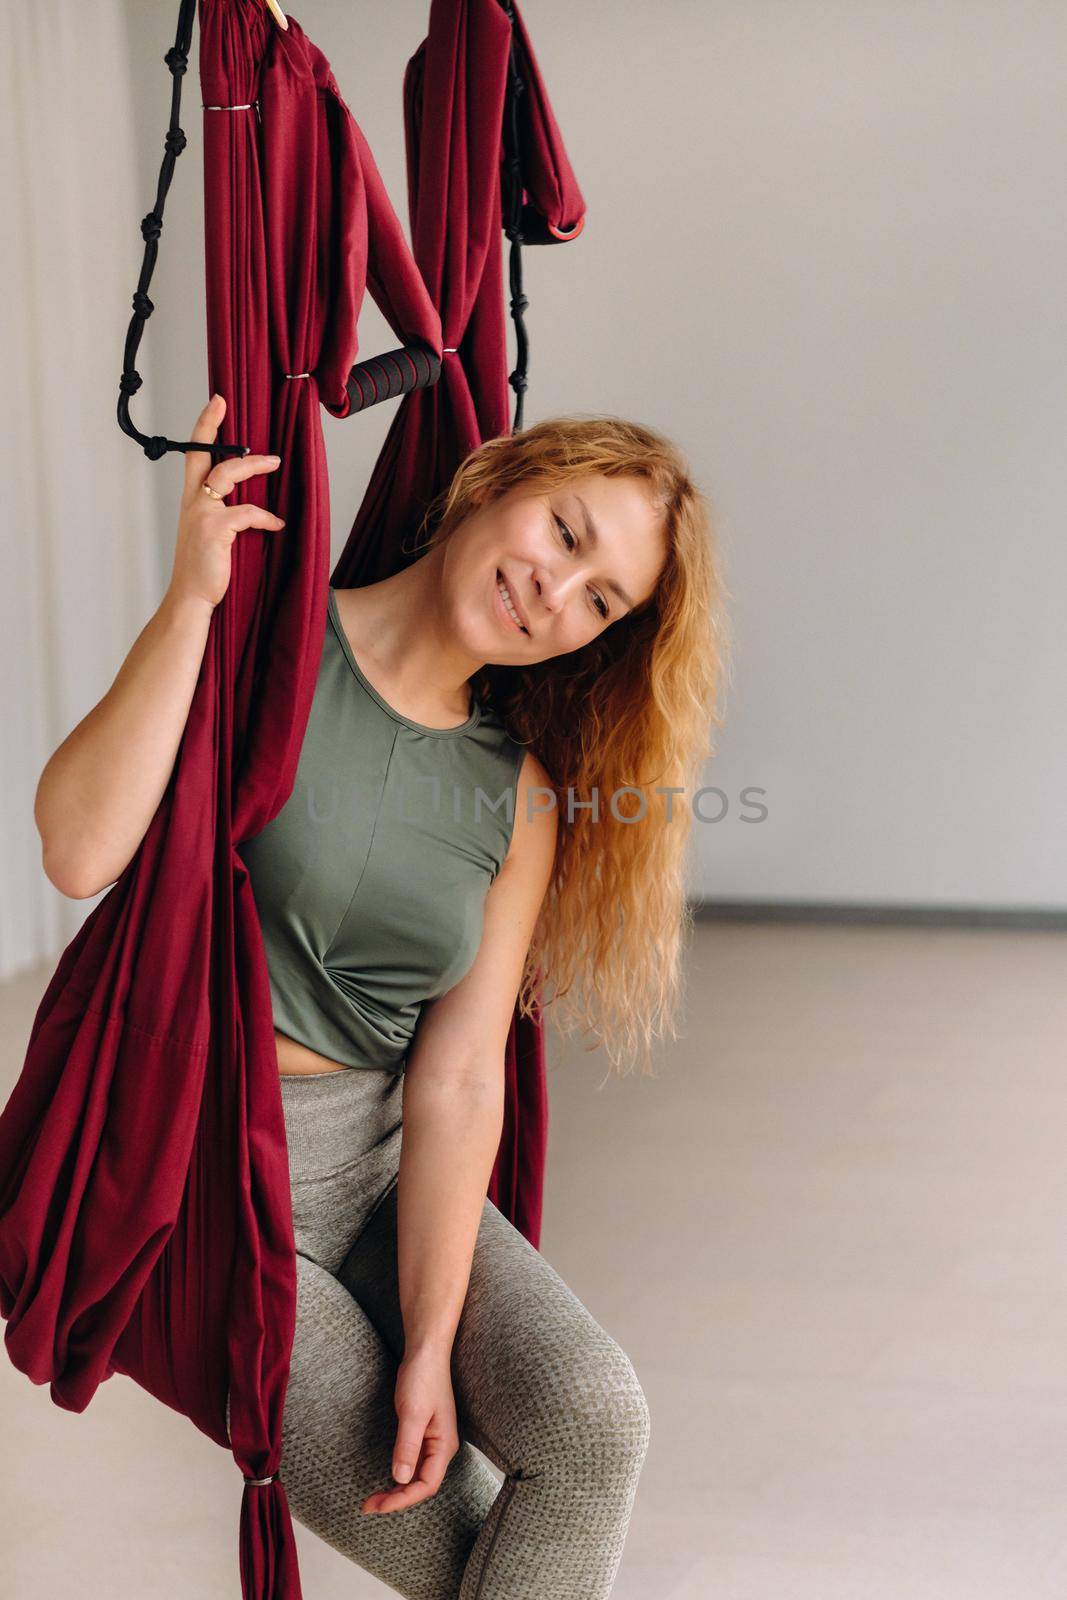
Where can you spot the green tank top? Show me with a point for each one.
(370, 883)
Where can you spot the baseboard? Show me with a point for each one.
(925, 916)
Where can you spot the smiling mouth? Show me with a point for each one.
(509, 604)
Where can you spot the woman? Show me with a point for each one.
(555, 645)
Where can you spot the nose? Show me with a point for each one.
(554, 592)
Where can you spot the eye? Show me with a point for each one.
(602, 606)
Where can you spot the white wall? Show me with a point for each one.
(825, 250)
(78, 528)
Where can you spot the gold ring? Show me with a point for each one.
(214, 493)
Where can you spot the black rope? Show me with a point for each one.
(523, 223)
(156, 446)
(512, 211)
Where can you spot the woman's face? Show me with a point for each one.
(573, 560)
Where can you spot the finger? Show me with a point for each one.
(430, 1476)
(386, 1500)
(198, 463)
(432, 1468)
(249, 516)
(409, 1442)
(225, 474)
(426, 1476)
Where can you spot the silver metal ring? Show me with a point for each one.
(248, 107)
(258, 1483)
(297, 374)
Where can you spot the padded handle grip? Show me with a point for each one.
(413, 366)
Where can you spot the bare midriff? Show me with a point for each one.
(296, 1059)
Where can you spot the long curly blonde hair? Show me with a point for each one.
(634, 707)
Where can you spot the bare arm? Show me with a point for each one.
(453, 1112)
(454, 1087)
(101, 788)
(99, 791)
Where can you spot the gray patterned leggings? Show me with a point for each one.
(541, 1389)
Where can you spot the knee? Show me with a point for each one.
(599, 1417)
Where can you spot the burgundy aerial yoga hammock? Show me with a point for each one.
(145, 1217)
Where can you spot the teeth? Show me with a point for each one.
(506, 597)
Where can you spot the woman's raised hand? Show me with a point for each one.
(207, 527)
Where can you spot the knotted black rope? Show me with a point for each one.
(512, 210)
(177, 59)
(523, 223)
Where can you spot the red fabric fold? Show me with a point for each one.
(268, 1560)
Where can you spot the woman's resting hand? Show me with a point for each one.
(427, 1433)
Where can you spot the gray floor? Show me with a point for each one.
(832, 1234)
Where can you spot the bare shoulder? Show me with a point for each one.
(533, 837)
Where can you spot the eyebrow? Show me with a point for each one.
(593, 534)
